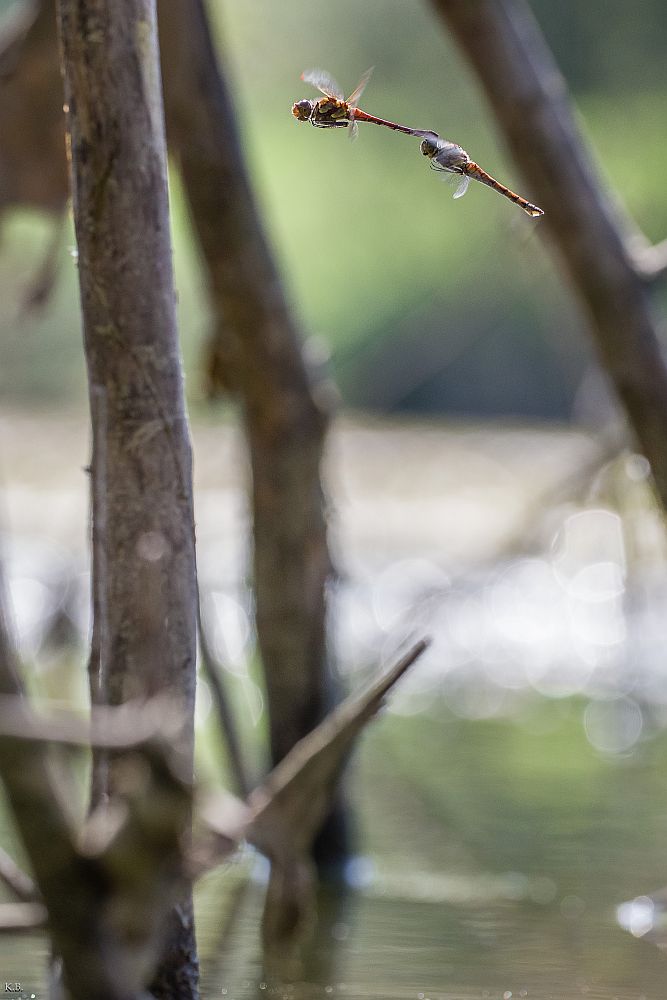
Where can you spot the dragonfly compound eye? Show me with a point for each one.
(427, 147)
(302, 110)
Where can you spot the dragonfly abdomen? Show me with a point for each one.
(474, 170)
(362, 116)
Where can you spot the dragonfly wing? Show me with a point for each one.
(353, 131)
(463, 186)
(424, 133)
(324, 82)
(353, 99)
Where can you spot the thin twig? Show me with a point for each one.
(215, 672)
(16, 879)
(651, 261)
(43, 282)
(114, 728)
(98, 656)
(16, 917)
(282, 815)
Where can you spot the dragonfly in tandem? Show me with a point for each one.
(334, 111)
(451, 159)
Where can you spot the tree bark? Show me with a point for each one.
(598, 245)
(257, 351)
(142, 521)
(256, 348)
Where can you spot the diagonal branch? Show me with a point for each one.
(288, 808)
(32, 160)
(651, 261)
(16, 879)
(49, 843)
(215, 673)
(17, 917)
(282, 817)
(123, 727)
(591, 233)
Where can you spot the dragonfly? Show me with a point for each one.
(335, 111)
(447, 157)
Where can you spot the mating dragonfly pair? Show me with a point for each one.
(334, 111)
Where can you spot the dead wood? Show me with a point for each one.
(145, 585)
(258, 350)
(600, 248)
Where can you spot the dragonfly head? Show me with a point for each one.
(302, 110)
(429, 147)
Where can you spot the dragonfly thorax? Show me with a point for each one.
(445, 154)
(331, 111)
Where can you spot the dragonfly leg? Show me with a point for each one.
(339, 124)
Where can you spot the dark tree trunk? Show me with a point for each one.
(143, 536)
(257, 351)
(597, 244)
(33, 169)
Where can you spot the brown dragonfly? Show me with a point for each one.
(447, 157)
(335, 111)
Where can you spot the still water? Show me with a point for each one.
(493, 857)
(514, 796)
(496, 854)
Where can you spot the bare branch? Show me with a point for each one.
(14, 27)
(16, 879)
(16, 917)
(256, 350)
(214, 671)
(49, 842)
(256, 345)
(282, 816)
(588, 227)
(145, 591)
(125, 727)
(289, 807)
(32, 159)
(291, 802)
(43, 282)
(651, 261)
(99, 645)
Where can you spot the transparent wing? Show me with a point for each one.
(448, 175)
(353, 131)
(424, 133)
(353, 99)
(324, 82)
(463, 186)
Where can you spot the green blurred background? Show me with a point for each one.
(426, 305)
(503, 832)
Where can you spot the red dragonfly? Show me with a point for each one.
(334, 111)
(449, 158)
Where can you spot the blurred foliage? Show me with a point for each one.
(426, 304)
